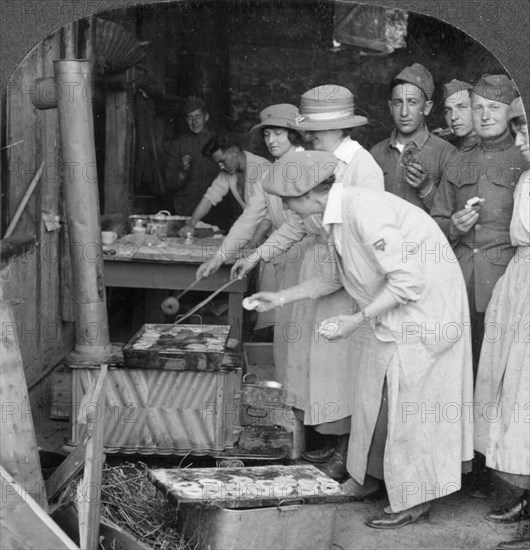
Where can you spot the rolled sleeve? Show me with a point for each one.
(246, 225)
(218, 189)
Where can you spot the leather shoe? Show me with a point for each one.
(399, 519)
(336, 467)
(357, 491)
(520, 542)
(320, 456)
(509, 513)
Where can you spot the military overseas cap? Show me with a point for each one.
(328, 107)
(278, 116)
(297, 173)
(454, 87)
(516, 109)
(417, 75)
(192, 104)
(496, 87)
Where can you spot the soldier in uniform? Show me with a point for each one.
(412, 158)
(189, 172)
(457, 113)
(480, 234)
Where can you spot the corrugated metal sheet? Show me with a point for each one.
(162, 412)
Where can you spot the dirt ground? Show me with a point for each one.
(455, 522)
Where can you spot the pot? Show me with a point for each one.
(157, 224)
(260, 392)
(137, 223)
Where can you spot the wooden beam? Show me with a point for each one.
(18, 442)
(89, 489)
(112, 537)
(24, 525)
(119, 146)
(72, 465)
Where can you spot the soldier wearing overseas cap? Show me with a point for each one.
(503, 379)
(317, 390)
(188, 171)
(402, 363)
(412, 158)
(480, 233)
(457, 113)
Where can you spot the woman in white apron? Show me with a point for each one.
(261, 211)
(502, 393)
(317, 372)
(411, 375)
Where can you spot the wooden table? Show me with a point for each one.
(172, 266)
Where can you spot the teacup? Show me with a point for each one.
(108, 237)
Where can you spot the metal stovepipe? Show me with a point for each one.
(73, 79)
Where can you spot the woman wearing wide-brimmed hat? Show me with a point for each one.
(262, 211)
(317, 373)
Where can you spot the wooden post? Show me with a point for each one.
(23, 523)
(89, 489)
(119, 143)
(18, 442)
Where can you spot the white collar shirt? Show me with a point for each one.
(332, 218)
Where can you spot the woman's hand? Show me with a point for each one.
(339, 327)
(267, 300)
(243, 266)
(209, 266)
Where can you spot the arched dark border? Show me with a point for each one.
(500, 25)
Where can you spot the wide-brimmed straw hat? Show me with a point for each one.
(328, 107)
(277, 116)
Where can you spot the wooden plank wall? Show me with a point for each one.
(34, 282)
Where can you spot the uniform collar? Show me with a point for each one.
(500, 143)
(333, 210)
(419, 140)
(468, 142)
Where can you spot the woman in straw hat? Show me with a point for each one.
(315, 387)
(413, 314)
(502, 390)
(262, 211)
